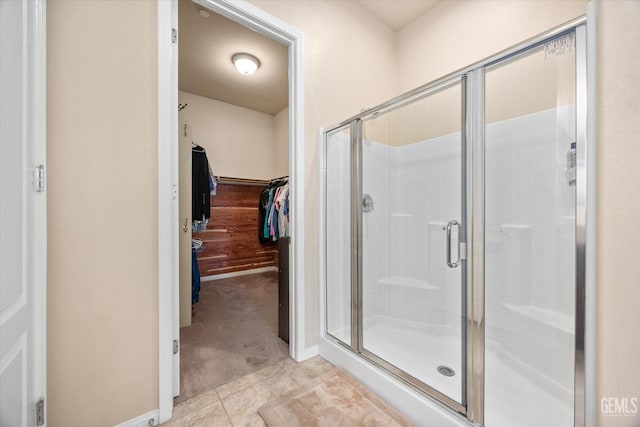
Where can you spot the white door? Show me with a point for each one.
(22, 212)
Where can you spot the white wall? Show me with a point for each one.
(240, 142)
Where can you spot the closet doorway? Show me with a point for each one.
(233, 200)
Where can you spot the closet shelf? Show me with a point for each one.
(241, 181)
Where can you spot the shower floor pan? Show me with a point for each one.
(515, 395)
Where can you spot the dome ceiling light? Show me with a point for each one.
(245, 63)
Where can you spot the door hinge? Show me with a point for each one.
(174, 35)
(40, 412)
(176, 346)
(38, 179)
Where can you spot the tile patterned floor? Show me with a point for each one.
(236, 403)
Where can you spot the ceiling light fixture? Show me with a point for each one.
(245, 63)
(204, 13)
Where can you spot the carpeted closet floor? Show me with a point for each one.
(234, 332)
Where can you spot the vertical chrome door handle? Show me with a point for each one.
(450, 225)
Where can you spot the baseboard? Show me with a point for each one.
(237, 273)
(151, 418)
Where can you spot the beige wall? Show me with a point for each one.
(349, 64)
(240, 142)
(618, 205)
(281, 129)
(454, 35)
(102, 320)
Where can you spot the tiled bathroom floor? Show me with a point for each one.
(237, 402)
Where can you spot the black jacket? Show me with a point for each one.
(200, 192)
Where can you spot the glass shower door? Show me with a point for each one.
(530, 242)
(412, 232)
(337, 174)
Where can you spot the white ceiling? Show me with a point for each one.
(398, 13)
(205, 68)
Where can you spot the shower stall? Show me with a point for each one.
(454, 236)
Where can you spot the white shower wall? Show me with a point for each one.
(530, 222)
(376, 227)
(416, 189)
(411, 299)
(530, 258)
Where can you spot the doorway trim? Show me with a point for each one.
(256, 19)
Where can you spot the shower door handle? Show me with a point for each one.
(450, 225)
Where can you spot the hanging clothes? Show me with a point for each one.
(213, 184)
(263, 203)
(273, 225)
(273, 211)
(282, 207)
(266, 226)
(195, 278)
(201, 184)
(196, 245)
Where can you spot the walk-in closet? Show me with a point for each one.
(234, 200)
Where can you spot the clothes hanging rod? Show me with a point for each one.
(247, 181)
(241, 181)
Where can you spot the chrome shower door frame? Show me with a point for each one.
(475, 246)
